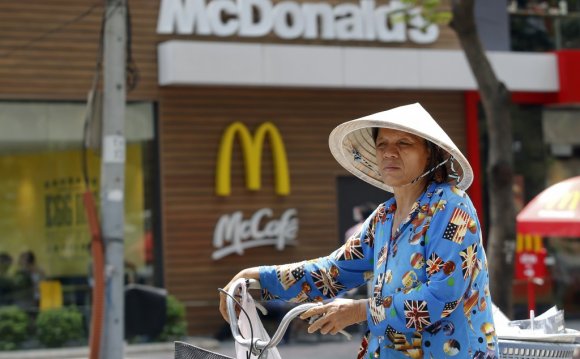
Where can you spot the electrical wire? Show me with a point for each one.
(97, 246)
(91, 98)
(132, 72)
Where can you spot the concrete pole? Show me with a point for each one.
(113, 177)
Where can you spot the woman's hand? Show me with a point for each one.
(336, 315)
(248, 273)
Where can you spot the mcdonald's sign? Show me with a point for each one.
(530, 257)
(252, 150)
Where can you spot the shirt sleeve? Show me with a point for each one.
(324, 278)
(451, 263)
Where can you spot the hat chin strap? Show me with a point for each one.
(453, 173)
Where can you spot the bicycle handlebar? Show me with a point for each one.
(278, 335)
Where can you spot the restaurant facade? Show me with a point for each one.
(227, 129)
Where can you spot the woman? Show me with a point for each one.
(421, 249)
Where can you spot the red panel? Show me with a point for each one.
(569, 73)
(473, 149)
(534, 98)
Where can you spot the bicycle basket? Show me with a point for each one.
(515, 349)
(188, 351)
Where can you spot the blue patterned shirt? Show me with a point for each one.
(431, 286)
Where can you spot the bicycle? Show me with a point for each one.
(256, 346)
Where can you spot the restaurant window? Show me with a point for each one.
(42, 218)
(541, 26)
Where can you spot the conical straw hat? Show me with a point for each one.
(352, 144)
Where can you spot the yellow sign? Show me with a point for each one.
(252, 149)
(528, 243)
(42, 209)
(50, 294)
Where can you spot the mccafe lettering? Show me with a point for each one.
(362, 21)
(233, 233)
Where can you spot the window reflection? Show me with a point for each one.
(544, 26)
(45, 245)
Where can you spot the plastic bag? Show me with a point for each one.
(258, 329)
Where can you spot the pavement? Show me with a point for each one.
(322, 347)
(324, 350)
(136, 351)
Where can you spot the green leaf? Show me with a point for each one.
(431, 3)
(443, 17)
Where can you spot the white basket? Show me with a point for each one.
(515, 349)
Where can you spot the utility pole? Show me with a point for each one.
(113, 177)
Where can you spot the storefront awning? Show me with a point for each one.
(554, 212)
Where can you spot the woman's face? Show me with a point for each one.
(401, 156)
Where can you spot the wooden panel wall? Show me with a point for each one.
(46, 54)
(193, 120)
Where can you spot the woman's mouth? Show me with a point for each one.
(391, 168)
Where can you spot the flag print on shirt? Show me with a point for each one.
(381, 213)
(469, 262)
(457, 226)
(382, 256)
(326, 282)
(417, 314)
(378, 289)
(377, 311)
(469, 305)
(302, 296)
(448, 308)
(351, 250)
(369, 236)
(289, 274)
(434, 264)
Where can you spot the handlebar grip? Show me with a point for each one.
(279, 334)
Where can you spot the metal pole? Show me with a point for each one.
(113, 176)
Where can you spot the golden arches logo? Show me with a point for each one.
(528, 243)
(252, 149)
(567, 201)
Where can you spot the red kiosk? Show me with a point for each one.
(553, 213)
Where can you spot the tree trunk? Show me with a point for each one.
(496, 104)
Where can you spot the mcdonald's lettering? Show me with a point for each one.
(252, 150)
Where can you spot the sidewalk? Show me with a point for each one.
(154, 350)
(325, 348)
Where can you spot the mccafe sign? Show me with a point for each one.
(362, 21)
(233, 233)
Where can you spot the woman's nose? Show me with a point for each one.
(390, 151)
